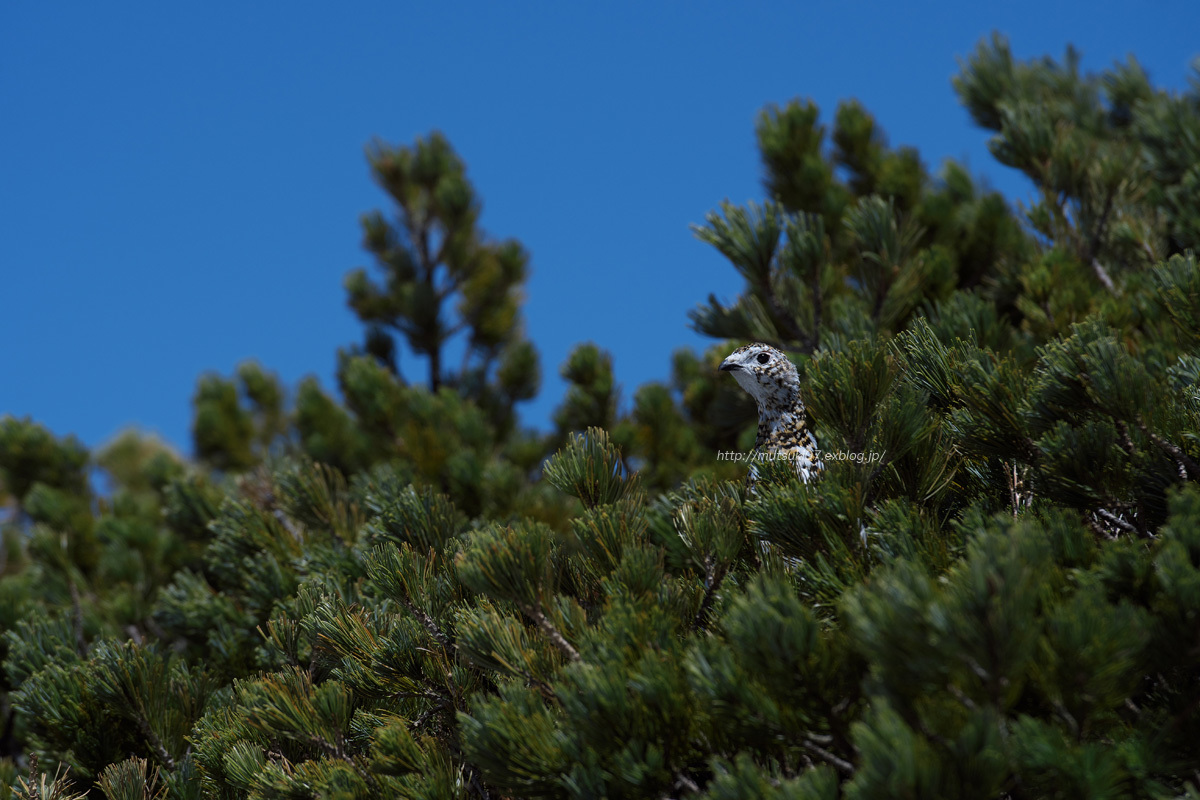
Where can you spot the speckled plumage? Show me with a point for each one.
(771, 379)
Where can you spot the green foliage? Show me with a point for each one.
(434, 254)
(590, 468)
(444, 284)
(130, 780)
(237, 422)
(591, 399)
(31, 455)
(785, 262)
(42, 785)
(992, 589)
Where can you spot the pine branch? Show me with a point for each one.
(713, 578)
(427, 263)
(961, 697)
(829, 758)
(536, 614)
(781, 317)
(1112, 518)
(1103, 275)
(1187, 466)
(430, 625)
(684, 782)
(34, 794)
(1094, 245)
(339, 753)
(1097, 529)
(839, 733)
(155, 743)
(814, 341)
(1018, 497)
(441, 704)
(77, 621)
(871, 484)
(477, 786)
(544, 689)
(398, 373)
(1126, 440)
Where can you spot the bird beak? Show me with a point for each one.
(729, 365)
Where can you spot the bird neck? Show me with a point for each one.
(773, 418)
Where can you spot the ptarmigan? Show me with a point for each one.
(772, 380)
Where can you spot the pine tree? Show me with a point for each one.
(431, 255)
(444, 283)
(992, 590)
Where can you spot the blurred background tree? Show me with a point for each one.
(433, 255)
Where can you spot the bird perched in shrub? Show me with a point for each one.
(783, 432)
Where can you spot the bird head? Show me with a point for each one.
(766, 373)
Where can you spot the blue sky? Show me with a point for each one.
(180, 183)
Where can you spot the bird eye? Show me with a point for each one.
(763, 358)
